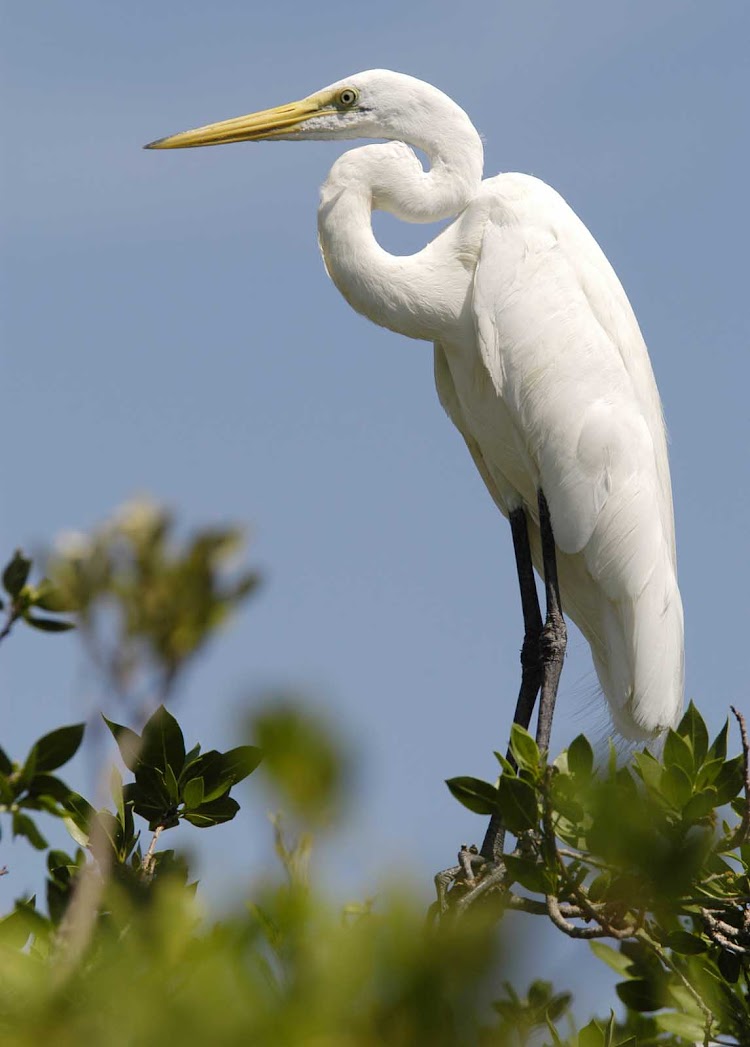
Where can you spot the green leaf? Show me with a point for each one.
(478, 796)
(708, 772)
(14, 931)
(591, 1035)
(171, 783)
(517, 803)
(676, 786)
(581, 757)
(678, 753)
(115, 789)
(192, 756)
(640, 995)
(599, 887)
(16, 573)
(80, 810)
(524, 748)
(209, 767)
(682, 1025)
(558, 1005)
(718, 750)
(49, 625)
(80, 836)
(700, 805)
(192, 794)
(24, 826)
(128, 742)
(506, 765)
(730, 966)
(163, 743)
(56, 748)
(150, 789)
(221, 810)
(685, 943)
(649, 770)
(29, 767)
(618, 961)
(6, 766)
(530, 874)
(729, 780)
(49, 785)
(556, 1041)
(240, 762)
(693, 728)
(58, 860)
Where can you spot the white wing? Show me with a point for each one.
(566, 358)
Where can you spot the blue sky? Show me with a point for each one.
(167, 327)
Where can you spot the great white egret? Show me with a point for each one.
(539, 362)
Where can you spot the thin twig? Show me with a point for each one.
(14, 613)
(149, 859)
(601, 930)
(654, 946)
(743, 828)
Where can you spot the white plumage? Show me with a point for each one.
(539, 360)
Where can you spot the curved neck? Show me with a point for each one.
(402, 293)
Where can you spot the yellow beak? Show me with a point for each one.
(270, 123)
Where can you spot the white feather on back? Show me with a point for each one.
(571, 405)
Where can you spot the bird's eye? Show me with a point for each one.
(348, 97)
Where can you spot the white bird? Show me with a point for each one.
(539, 362)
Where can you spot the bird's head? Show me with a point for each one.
(375, 104)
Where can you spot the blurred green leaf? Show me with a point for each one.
(640, 994)
(615, 959)
(591, 1035)
(685, 943)
(48, 625)
(730, 966)
(6, 766)
(302, 759)
(16, 574)
(49, 785)
(25, 826)
(683, 1025)
(478, 796)
(51, 598)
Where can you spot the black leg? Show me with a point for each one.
(554, 636)
(531, 666)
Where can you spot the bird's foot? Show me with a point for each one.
(458, 887)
